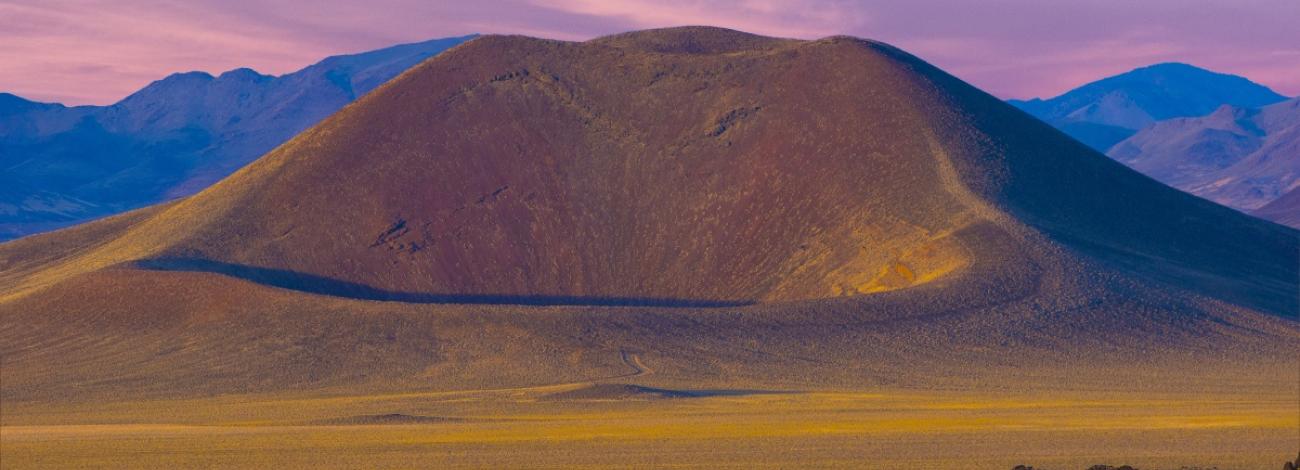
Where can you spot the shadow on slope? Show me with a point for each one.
(391, 418)
(310, 283)
(638, 392)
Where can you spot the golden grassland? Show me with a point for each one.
(522, 428)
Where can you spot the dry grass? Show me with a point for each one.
(887, 429)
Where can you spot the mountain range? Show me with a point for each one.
(1214, 135)
(1106, 111)
(65, 165)
(1239, 157)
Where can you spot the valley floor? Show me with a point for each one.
(580, 425)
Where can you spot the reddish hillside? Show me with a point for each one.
(680, 168)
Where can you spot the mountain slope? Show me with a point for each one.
(1241, 158)
(172, 138)
(1107, 111)
(737, 211)
(1283, 210)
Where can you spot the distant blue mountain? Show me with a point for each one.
(1106, 111)
(1243, 158)
(11, 104)
(63, 165)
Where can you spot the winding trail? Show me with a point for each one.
(632, 360)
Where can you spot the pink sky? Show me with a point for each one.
(98, 51)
